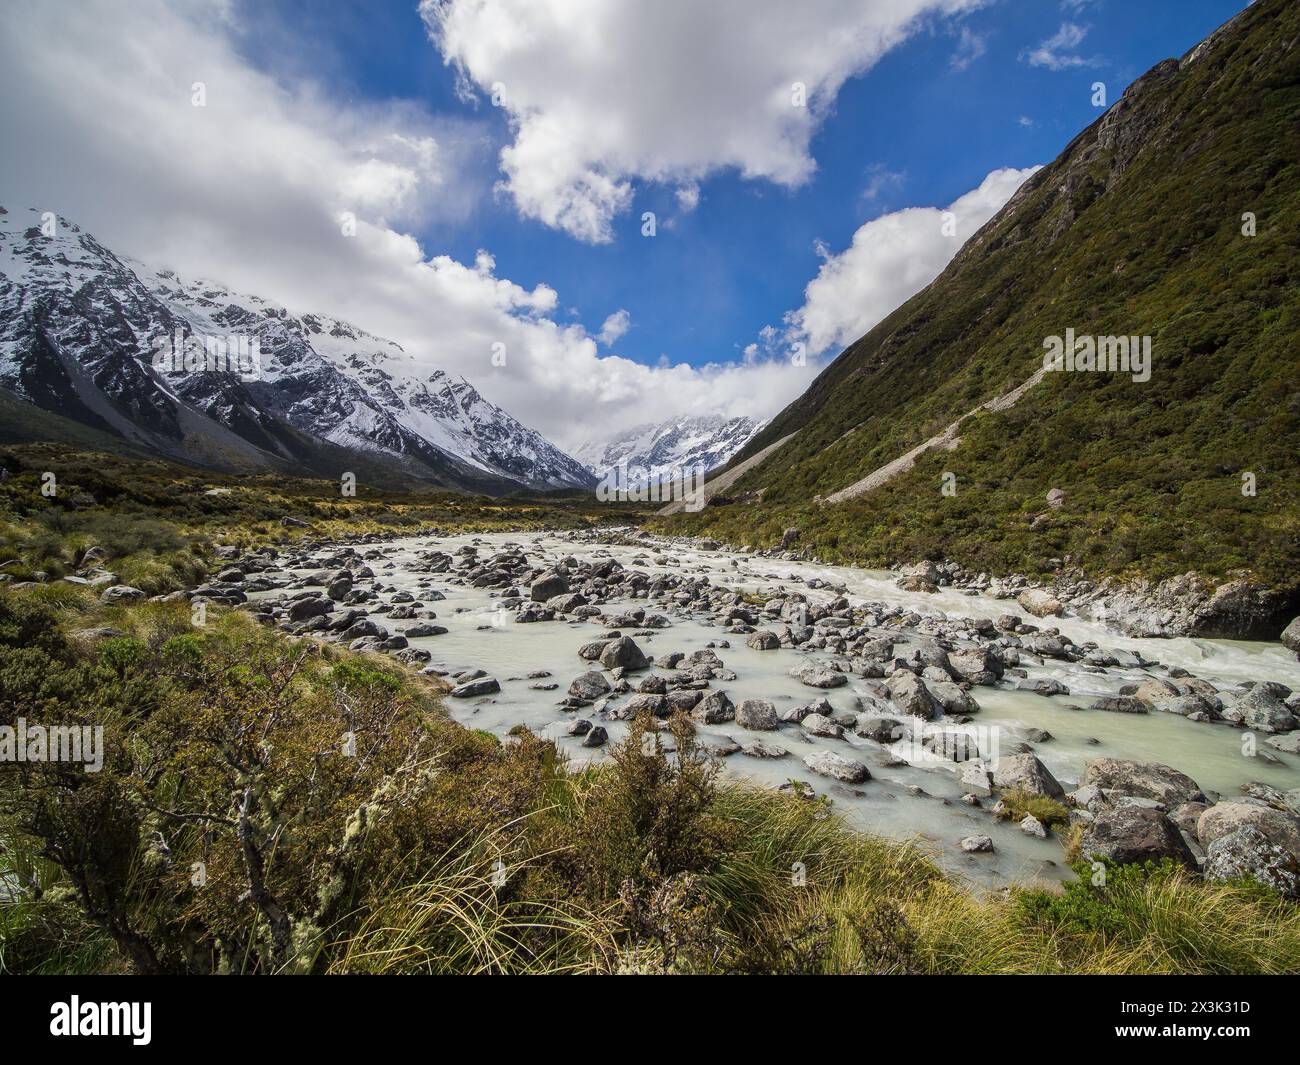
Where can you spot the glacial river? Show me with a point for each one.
(904, 801)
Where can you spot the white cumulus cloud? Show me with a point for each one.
(890, 259)
(601, 93)
(1057, 52)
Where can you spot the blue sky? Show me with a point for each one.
(781, 229)
(918, 129)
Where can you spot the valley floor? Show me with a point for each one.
(581, 749)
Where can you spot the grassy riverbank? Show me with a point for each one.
(157, 522)
(233, 828)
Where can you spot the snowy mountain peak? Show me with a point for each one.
(80, 329)
(654, 451)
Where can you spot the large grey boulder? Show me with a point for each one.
(548, 586)
(828, 764)
(1280, 827)
(1154, 691)
(1291, 636)
(1264, 711)
(818, 676)
(423, 629)
(976, 665)
(1039, 603)
(792, 715)
(714, 709)
(952, 698)
(1248, 853)
(1146, 780)
(481, 686)
(910, 694)
(1120, 704)
(820, 725)
(591, 651)
(764, 640)
(880, 728)
(302, 609)
(1026, 773)
(1135, 834)
(757, 714)
(643, 703)
(589, 686)
(625, 653)
(120, 593)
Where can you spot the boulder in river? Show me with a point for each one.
(623, 653)
(1134, 834)
(911, 695)
(1039, 603)
(714, 709)
(952, 698)
(829, 764)
(1147, 780)
(1119, 704)
(1026, 773)
(976, 664)
(820, 725)
(481, 686)
(548, 586)
(311, 607)
(424, 629)
(1031, 826)
(589, 686)
(1264, 711)
(757, 714)
(591, 651)
(764, 750)
(764, 640)
(815, 675)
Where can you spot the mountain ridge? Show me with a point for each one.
(660, 448)
(1141, 226)
(80, 329)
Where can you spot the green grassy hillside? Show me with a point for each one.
(1137, 229)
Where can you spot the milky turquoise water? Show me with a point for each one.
(483, 636)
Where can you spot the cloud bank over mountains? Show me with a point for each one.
(276, 186)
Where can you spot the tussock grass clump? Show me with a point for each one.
(1017, 804)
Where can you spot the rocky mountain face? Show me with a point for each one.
(193, 371)
(1173, 221)
(659, 450)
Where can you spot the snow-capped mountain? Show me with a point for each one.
(656, 451)
(93, 337)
